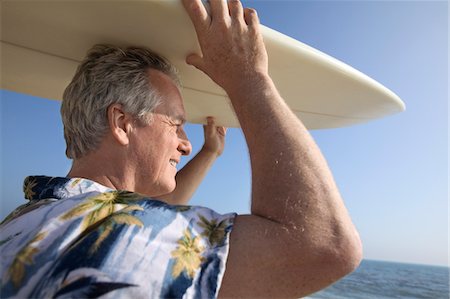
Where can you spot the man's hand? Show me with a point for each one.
(232, 46)
(214, 137)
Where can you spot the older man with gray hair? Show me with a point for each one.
(117, 225)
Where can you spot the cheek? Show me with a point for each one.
(147, 157)
(169, 142)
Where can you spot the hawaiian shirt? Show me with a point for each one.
(76, 239)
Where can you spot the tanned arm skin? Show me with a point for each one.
(299, 237)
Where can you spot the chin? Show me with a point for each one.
(169, 186)
(163, 189)
(170, 189)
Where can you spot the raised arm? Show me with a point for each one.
(192, 174)
(299, 237)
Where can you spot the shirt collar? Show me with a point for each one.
(43, 187)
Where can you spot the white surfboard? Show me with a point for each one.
(42, 43)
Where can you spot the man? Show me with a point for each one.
(103, 241)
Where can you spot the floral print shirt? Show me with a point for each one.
(76, 238)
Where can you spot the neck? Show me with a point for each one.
(100, 169)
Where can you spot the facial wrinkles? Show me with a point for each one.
(141, 162)
(162, 138)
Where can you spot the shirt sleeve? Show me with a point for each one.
(213, 232)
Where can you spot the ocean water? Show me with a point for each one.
(379, 280)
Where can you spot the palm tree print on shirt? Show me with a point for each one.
(28, 186)
(101, 206)
(112, 207)
(188, 255)
(23, 258)
(121, 217)
(213, 231)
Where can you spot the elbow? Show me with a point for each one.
(337, 257)
(346, 255)
(328, 263)
(351, 256)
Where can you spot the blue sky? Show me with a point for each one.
(392, 172)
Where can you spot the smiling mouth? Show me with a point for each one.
(173, 163)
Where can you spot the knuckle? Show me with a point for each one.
(194, 6)
(251, 11)
(251, 16)
(234, 4)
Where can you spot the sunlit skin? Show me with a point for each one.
(298, 238)
(157, 148)
(143, 158)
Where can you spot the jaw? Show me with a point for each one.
(158, 186)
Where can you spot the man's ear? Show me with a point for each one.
(120, 123)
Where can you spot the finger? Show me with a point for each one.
(251, 17)
(219, 10)
(195, 60)
(222, 131)
(206, 130)
(209, 127)
(210, 121)
(197, 12)
(236, 11)
(211, 124)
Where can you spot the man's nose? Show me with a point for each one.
(184, 145)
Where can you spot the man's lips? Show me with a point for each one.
(173, 162)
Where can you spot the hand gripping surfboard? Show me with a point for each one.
(42, 43)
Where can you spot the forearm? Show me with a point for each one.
(291, 182)
(190, 176)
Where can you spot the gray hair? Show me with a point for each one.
(109, 75)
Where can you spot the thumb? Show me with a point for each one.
(195, 60)
(209, 127)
